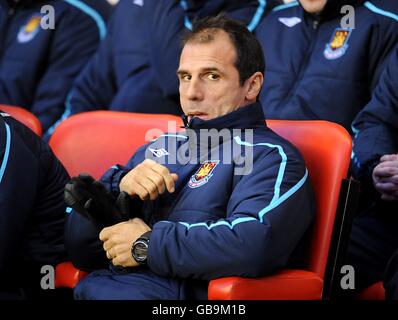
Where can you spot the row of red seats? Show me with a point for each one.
(92, 142)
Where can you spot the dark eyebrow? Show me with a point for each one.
(209, 69)
(181, 72)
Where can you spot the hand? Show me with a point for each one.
(118, 241)
(92, 200)
(385, 177)
(148, 180)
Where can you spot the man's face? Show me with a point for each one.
(209, 80)
(313, 6)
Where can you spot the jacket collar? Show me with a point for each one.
(332, 9)
(199, 8)
(247, 11)
(247, 117)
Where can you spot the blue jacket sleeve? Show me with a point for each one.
(11, 184)
(383, 40)
(267, 214)
(76, 38)
(31, 229)
(376, 127)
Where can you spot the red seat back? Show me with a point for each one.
(326, 148)
(92, 142)
(25, 117)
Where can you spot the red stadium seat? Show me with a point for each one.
(326, 148)
(374, 292)
(67, 276)
(92, 142)
(24, 116)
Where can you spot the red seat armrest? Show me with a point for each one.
(283, 285)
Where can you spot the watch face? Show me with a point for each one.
(140, 251)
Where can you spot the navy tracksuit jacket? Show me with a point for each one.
(32, 210)
(376, 127)
(217, 223)
(38, 66)
(135, 68)
(318, 70)
(374, 233)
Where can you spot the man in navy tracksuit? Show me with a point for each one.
(375, 164)
(38, 66)
(32, 210)
(319, 69)
(134, 69)
(237, 206)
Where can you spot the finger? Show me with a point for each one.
(167, 177)
(381, 172)
(387, 197)
(386, 187)
(148, 185)
(108, 245)
(393, 179)
(386, 164)
(105, 234)
(117, 261)
(389, 157)
(158, 180)
(108, 255)
(133, 188)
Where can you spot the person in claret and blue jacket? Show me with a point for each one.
(203, 214)
(319, 69)
(38, 66)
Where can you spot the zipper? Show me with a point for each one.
(304, 64)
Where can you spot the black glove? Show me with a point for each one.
(91, 199)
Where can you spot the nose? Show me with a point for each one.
(194, 90)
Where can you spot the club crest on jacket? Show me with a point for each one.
(30, 29)
(203, 175)
(338, 44)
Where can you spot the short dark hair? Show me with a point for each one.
(250, 56)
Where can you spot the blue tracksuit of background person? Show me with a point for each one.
(32, 210)
(316, 69)
(375, 231)
(38, 66)
(217, 223)
(135, 68)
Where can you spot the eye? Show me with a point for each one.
(213, 76)
(185, 77)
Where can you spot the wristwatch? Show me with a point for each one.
(139, 250)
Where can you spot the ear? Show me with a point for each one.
(253, 85)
